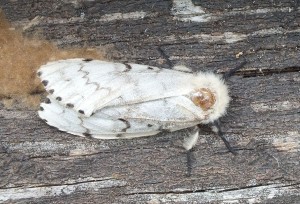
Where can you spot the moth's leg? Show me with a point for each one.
(190, 158)
(217, 129)
(188, 143)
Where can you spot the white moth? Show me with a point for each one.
(107, 100)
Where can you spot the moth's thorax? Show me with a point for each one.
(211, 95)
(203, 98)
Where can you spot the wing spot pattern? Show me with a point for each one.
(126, 123)
(87, 60)
(45, 82)
(47, 101)
(70, 105)
(85, 76)
(128, 67)
(161, 129)
(153, 68)
(87, 134)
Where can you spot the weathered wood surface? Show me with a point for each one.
(40, 164)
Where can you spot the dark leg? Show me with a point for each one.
(190, 158)
(221, 134)
(188, 144)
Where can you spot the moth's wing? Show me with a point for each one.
(88, 86)
(83, 85)
(99, 125)
(131, 121)
(152, 84)
(58, 116)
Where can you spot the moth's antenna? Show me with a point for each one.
(232, 71)
(217, 129)
(216, 123)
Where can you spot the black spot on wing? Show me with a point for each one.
(154, 68)
(58, 98)
(39, 73)
(128, 67)
(41, 108)
(162, 129)
(87, 60)
(51, 91)
(70, 105)
(126, 123)
(87, 134)
(45, 82)
(149, 125)
(81, 111)
(47, 101)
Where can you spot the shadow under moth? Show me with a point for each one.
(107, 100)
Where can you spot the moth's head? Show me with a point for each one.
(211, 95)
(203, 98)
